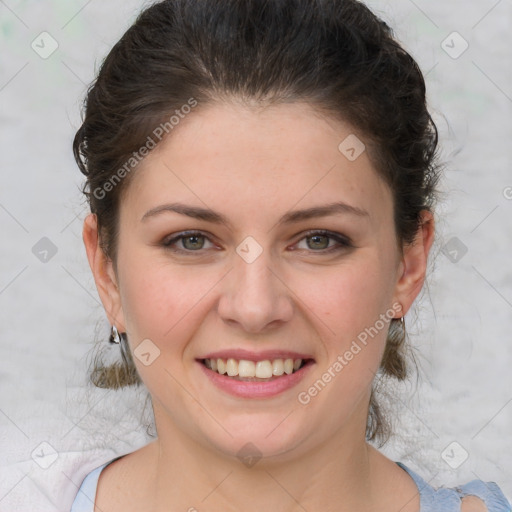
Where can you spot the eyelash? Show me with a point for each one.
(344, 241)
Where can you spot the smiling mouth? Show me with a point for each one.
(255, 371)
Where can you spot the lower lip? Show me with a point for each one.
(264, 389)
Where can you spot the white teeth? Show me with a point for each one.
(232, 367)
(278, 367)
(263, 369)
(246, 368)
(249, 369)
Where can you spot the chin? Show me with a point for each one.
(258, 435)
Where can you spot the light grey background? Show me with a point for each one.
(50, 311)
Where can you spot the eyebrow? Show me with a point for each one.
(207, 215)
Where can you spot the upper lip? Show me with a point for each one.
(255, 356)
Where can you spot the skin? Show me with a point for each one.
(253, 168)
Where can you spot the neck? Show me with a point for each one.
(337, 476)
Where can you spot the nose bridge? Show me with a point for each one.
(255, 295)
(253, 273)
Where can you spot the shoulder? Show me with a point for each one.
(473, 504)
(474, 496)
(480, 496)
(86, 493)
(123, 484)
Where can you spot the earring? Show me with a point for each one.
(402, 319)
(115, 337)
(402, 326)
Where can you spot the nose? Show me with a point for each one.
(254, 296)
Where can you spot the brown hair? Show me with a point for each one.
(333, 54)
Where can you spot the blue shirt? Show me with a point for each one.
(431, 500)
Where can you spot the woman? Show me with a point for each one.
(261, 177)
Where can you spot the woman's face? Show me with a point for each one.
(263, 280)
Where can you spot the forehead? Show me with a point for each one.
(258, 161)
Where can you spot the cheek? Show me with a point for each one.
(349, 301)
(160, 305)
(154, 297)
(163, 301)
(354, 339)
(352, 296)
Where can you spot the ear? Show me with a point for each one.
(413, 266)
(104, 275)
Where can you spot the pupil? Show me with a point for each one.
(317, 237)
(190, 237)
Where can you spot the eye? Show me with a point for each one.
(320, 241)
(194, 241)
(191, 241)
